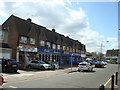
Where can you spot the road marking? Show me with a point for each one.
(12, 87)
(107, 82)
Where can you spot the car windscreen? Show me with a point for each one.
(41, 62)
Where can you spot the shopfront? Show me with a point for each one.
(76, 57)
(25, 54)
(49, 55)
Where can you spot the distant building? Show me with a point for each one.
(112, 54)
(30, 41)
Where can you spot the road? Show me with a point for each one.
(70, 80)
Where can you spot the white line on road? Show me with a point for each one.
(12, 87)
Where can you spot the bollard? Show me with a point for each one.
(112, 82)
(101, 87)
(116, 83)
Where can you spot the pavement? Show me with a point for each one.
(34, 74)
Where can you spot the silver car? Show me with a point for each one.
(85, 66)
(38, 64)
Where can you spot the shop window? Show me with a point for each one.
(54, 46)
(32, 41)
(58, 47)
(64, 47)
(42, 43)
(48, 44)
(23, 39)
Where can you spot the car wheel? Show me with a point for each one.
(78, 70)
(43, 68)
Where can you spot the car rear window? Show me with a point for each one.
(83, 64)
(13, 61)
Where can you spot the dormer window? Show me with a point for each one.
(42, 43)
(32, 41)
(64, 47)
(54, 46)
(58, 47)
(23, 39)
(48, 44)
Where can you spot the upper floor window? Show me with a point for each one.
(58, 46)
(54, 46)
(48, 44)
(1, 35)
(64, 47)
(42, 43)
(23, 39)
(76, 50)
(68, 48)
(32, 41)
(73, 50)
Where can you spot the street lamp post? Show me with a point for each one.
(101, 47)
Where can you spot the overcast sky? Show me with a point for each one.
(92, 23)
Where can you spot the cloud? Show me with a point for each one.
(55, 13)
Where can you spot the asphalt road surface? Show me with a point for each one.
(70, 80)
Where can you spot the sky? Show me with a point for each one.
(92, 23)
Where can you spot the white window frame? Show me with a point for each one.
(67, 48)
(73, 50)
(70, 49)
(42, 43)
(64, 47)
(53, 46)
(23, 39)
(58, 47)
(48, 44)
(32, 41)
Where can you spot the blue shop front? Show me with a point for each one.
(49, 55)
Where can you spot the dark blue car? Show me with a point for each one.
(9, 65)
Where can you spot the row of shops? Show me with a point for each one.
(26, 54)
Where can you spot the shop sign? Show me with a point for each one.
(49, 51)
(65, 52)
(27, 49)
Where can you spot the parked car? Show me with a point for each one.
(85, 66)
(54, 65)
(9, 65)
(99, 64)
(38, 64)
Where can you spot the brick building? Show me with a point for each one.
(112, 54)
(30, 41)
(5, 50)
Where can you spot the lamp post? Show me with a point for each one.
(101, 47)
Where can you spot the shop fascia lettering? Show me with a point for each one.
(49, 51)
(27, 49)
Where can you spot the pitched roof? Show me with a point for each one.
(24, 27)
